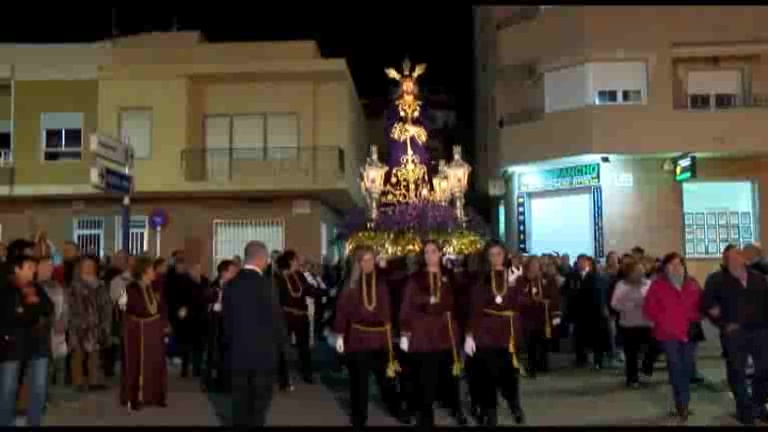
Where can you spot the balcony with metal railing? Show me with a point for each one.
(718, 102)
(6, 158)
(265, 168)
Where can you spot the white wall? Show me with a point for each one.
(617, 76)
(575, 87)
(566, 89)
(714, 81)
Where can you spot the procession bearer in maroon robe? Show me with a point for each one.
(144, 376)
(363, 328)
(492, 337)
(429, 334)
(539, 305)
(297, 301)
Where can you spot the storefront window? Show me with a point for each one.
(717, 214)
(502, 222)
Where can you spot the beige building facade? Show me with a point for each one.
(583, 111)
(235, 141)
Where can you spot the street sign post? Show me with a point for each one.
(112, 150)
(158, 219)
(111, 180)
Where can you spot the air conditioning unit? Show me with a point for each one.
(531, 74)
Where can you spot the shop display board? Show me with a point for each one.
(715, 215)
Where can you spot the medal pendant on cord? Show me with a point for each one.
(498, 299)
(432, 300)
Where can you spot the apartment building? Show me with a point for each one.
(585, 111)
(235, 141)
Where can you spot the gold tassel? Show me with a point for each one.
(547, 321)
(457, 366)
(512, 348)
(393, 368)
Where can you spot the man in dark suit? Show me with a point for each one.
(254, 331)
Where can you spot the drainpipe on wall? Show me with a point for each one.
(12, 182)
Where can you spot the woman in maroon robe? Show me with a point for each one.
(363, 329)
(539, 305)
(429, 335)
(295, 294)
(144, 376)
(492, 337)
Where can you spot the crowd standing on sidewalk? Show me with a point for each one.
(423, 326)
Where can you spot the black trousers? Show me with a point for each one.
(251, 397)
(635, 341)
(192, 355)
(538, 345)
(433, 377)
(496, 372)
(305, 357)
(109, 356)
(473, 368)
(589, 337)
(216, 376)
(360, 366)
(740, 345)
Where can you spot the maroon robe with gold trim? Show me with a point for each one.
(538, 309)
(295, 309)
(489, 322)
(363, 329)
(144, 372)
(424, 317)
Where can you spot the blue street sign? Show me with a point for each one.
(110, 180)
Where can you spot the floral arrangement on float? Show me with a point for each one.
(404, 206)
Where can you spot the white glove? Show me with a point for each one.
(183, 313)
(513, 274)
(556, 321)
(122, 302)
(217, 307)
(310, 307)
(340, 344)
(404, 344)
(469, 346)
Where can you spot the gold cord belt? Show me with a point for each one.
(393, 367)
(511, 315)
(547, 322)
(456, 369)
(147, 319)
(295, 311)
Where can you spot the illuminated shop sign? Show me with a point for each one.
(561, 178)
(685, 167)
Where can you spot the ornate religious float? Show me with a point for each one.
(405, 203)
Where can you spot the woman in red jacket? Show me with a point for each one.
(672, 304)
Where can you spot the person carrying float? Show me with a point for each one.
(428, 334)
(492, 337)
(539, 305)
(363, 329)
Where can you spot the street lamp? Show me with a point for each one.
(373, 182)
(442, 193)
(458, 178)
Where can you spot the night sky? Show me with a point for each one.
(371, 37)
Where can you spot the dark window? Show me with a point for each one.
(725, 100)
(5, 141)
(699, 101)
(631, 96)
(607, 97)
(63, 144)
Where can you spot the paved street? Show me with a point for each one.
(565, 397)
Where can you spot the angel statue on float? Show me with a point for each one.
(408, 157)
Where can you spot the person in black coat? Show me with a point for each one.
(26, 314)
(254, 332)
(587, 309)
